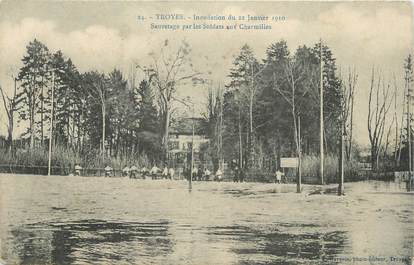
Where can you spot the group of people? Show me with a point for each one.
(199, 174)
(155, 172)
(239, 174)
(131, 171)
(109, 171)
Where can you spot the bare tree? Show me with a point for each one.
(214, 117)
(167, 71)
(389, 131)
(399, 131)
(293, 77)
(255, 71)
(97, 91)
(290, 96)
(397, 143)
(348, 92)
(379, 104)
(10, 106)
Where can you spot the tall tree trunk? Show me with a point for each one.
(10, 132)
(240, 142)
(166, 132)
(251, 147)
(41, 115)
(31, 127)
(103, 130)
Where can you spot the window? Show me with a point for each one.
(172, 145)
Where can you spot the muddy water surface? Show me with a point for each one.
(76, 220)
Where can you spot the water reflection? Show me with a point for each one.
(74, 220)
(98, 241)
(90, 241)
(285, 247)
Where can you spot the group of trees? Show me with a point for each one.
(387, 130)
(269, 108)
(265, 101)
(93, 112)
(272, 109)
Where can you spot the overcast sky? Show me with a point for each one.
(104, 35)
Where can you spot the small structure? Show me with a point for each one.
(185, 133)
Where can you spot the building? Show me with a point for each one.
(181, 140)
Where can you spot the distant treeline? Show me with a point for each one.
(269, 109)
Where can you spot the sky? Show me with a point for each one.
(103, 35)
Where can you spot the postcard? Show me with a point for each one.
(206, 132)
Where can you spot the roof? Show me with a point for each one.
(184, 126)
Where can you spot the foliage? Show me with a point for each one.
(92, 110)
(285, 88)
(254, 120)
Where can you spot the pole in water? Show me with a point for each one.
(299, 184)
(341, 182)
(321, 112)
(51, 126)
(409, 135)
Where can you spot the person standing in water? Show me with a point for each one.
(219, 175)
(144, 172)
(236, 174)
(207, 174)
(171, 173)
(165, 173)
(154, 172)
(133, 172)
(200, 173)
(278, 176)
(108, 171)
(78, 170)
(125, 171)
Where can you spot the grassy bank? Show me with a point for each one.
(67, 158)
(64, 160)
(311, 171)
(311, 168)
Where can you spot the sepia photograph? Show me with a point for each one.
(206, 132)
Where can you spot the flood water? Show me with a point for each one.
(79, 220)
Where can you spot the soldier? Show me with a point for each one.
(219, 175)
(144, 172)
(78, 170)
(171, 173)
(108, 171)
(125, 171)
(207, 174)
(165, 173)
(278, 175)
(236, 174)
(195, 173)
(154, 172)
(199, 173)
(133, 172)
